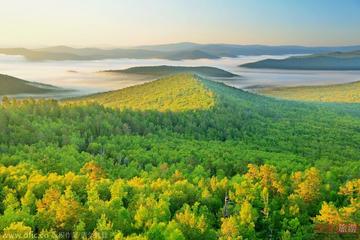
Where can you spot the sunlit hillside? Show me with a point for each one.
(179, 92)
(347, 93)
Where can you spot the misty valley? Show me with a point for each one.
(179, 120)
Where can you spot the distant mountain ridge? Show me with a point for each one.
(326, 61)
(233, 50)
(176, 51)
(168, 70)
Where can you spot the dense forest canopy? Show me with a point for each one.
(246, 167)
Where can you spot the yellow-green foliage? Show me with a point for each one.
(347, 93)
(179, 92)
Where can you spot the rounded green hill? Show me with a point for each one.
(180, 92)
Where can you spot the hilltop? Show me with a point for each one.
(11, 85)
(168, 70)
(327, 61)
(179, 92)
(348, 92)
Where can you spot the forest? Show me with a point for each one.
(344, 92)
(232, 165)
(175, 93)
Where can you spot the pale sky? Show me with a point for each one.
(110, 23)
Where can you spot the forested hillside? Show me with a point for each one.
(345, 93)
(175, 93)
(248, 167)
(11, 85)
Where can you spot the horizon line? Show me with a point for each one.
(111, 46)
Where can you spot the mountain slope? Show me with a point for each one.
(328, 61)
(168, 70)
(11, 85)
(181, 92)
(349, 92)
